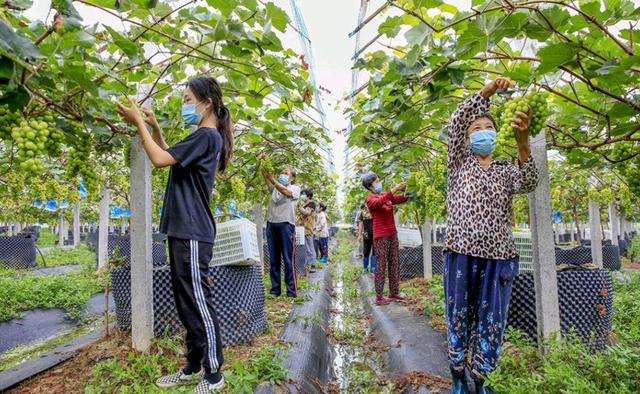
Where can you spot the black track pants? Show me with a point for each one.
(189, 261)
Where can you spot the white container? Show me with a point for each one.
(236, 243)
(409, 237)
(525, 250)
(299, 235)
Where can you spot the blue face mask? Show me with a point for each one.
(190, 116)
(303, 197)
(483, 142)
(378, 188)
(284, 179)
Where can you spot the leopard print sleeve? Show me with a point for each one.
(468, 111)
(524, 179)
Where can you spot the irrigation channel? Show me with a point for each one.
(356, 366)
(370, 345)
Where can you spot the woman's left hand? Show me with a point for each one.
(130, 114)
(521, 124)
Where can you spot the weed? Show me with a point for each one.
(71, 292)
(47, 238)
(79, 255)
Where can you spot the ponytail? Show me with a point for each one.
(225, 127)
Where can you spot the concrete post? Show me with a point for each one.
(435, 232)
(544, 256)
(76, 225)
(596, 233)
(427, 262)
(103, 229)
(614, 225)
(18, 227)
(141, 258)
(60, 229)
(257, 211)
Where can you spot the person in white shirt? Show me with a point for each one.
(281, 219)
(322, 232)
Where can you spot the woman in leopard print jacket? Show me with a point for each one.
(481, 261)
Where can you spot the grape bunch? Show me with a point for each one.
(79, 163)
(8, 120)
(429, 190)
(34, 137)
(266, 164)
(31, 138)
(537, 102)
(238, 188)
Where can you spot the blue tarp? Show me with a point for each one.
(119, 213)
(82, 190)
(557, 217)
(52, 205)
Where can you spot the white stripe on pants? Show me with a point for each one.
(202, 307)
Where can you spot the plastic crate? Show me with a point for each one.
(299, 235)
(236, 243)
(525, 250)
(409, 237)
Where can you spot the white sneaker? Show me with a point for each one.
(205, 387)
(179, 379)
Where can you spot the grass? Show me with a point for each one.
(58, 256)
(47, 238)
(71, 291)
(634, 250)
(567, 366)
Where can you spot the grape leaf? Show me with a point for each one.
(556, 55)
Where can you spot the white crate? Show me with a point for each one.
(299, 235)
(236, 243)
(409, 237)
(525, 250)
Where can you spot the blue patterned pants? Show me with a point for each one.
(477, 293)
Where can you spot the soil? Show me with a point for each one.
(71, 376)
(416, 304)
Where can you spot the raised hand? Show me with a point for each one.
(150, 117)
(131, 114)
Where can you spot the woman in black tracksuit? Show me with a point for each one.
(189, 223)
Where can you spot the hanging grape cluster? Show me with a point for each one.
(238, 188)
(79, 163)
(35, 138)
(429, 189)
(8, 120)
(266, 164)
(536, 101)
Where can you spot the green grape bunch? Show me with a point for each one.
(537, 102)
(31, 139)
(266, 164)
(34, 137)
(79, 163)
(238, 188)
(8, 120)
